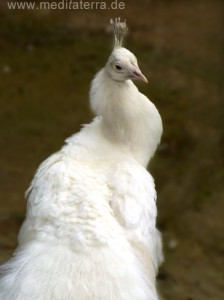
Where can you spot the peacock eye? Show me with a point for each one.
(118, 67)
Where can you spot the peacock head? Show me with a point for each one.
(122, 64)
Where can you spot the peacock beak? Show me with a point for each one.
(137, 74)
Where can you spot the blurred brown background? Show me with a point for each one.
(47, 60)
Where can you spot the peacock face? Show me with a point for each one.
(122, 65)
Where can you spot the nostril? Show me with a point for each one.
(137, 73)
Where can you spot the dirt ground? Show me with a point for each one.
(47, 60)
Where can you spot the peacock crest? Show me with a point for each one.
(120, 30)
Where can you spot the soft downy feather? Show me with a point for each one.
(88, 249)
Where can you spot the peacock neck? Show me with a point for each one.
(125, 115)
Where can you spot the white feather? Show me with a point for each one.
(90, 228)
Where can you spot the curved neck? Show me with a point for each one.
(127, 115)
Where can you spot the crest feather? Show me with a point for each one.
(120, 30)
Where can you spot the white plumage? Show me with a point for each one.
(90, 231)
